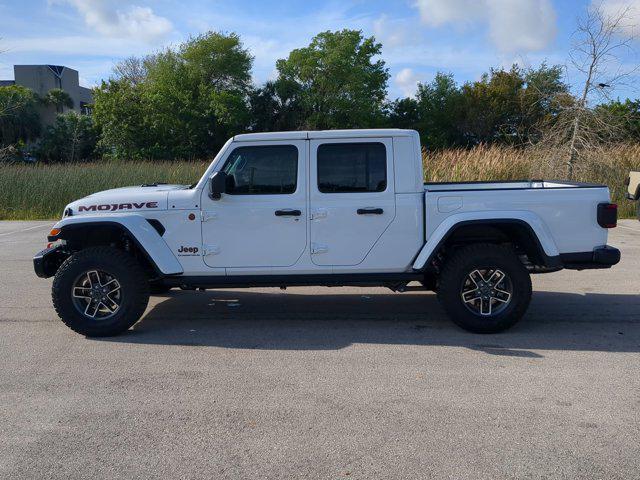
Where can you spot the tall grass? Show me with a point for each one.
(29, 192)
(42, 191)
(610, 167)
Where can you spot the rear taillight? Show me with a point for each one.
(607, 215)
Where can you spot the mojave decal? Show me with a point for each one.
(117, 206)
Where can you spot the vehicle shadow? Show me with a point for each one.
(299, 321)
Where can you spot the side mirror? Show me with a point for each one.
(217, 185)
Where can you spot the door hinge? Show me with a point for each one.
(210, 250)
(318, 248)
(319, 213)
(206, 216)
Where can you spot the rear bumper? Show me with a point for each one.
(601, 257)
(47, 261)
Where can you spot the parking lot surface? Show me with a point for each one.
(323, 382)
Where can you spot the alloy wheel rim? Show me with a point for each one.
(97, 294)
(486, 291)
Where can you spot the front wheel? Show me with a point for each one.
(100, 291)
(484, 288)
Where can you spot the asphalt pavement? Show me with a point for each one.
(323, 382)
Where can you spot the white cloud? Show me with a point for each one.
(439, 12)
(524, 26)
(77, 45)
(631, 8)
(407, 81)
(514, 26)
(393, 32)
(131, 21)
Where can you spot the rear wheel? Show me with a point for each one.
(100, 291)
(485, 288)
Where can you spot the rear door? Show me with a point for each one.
(351, 195)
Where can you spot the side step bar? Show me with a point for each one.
(323, 280)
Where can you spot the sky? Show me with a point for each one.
(419, 37)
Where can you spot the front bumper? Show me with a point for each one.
(601, 257)
(47, 261)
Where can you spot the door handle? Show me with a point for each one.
(288, 213)
(370, 211)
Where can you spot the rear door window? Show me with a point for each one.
(352, 167)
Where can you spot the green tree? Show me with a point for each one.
(119, 114)
(511, 106)
(58, 98)
(19, 118)
(218, 62)
(403, 113)
(72, 138)
(623, 118)
(276, 106)
(505, 106)
(340, 83)
(186, 101)
(196, 97)
(491, 107)
(439, 104)
(132, 69)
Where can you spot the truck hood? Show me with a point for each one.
(122, 200)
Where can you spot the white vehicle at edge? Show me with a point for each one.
(633, 188)
(331, 208)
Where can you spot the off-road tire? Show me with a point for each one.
(131, 277)
(466, 260)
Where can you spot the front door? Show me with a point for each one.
(352, 198)
(261, 219)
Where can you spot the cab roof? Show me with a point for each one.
(313, 134)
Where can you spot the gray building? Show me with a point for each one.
(42, 78)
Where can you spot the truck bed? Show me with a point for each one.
(566, 211)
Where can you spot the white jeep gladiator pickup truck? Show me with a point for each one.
(324, 208)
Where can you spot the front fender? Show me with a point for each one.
(533, 221)
(138, 228)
